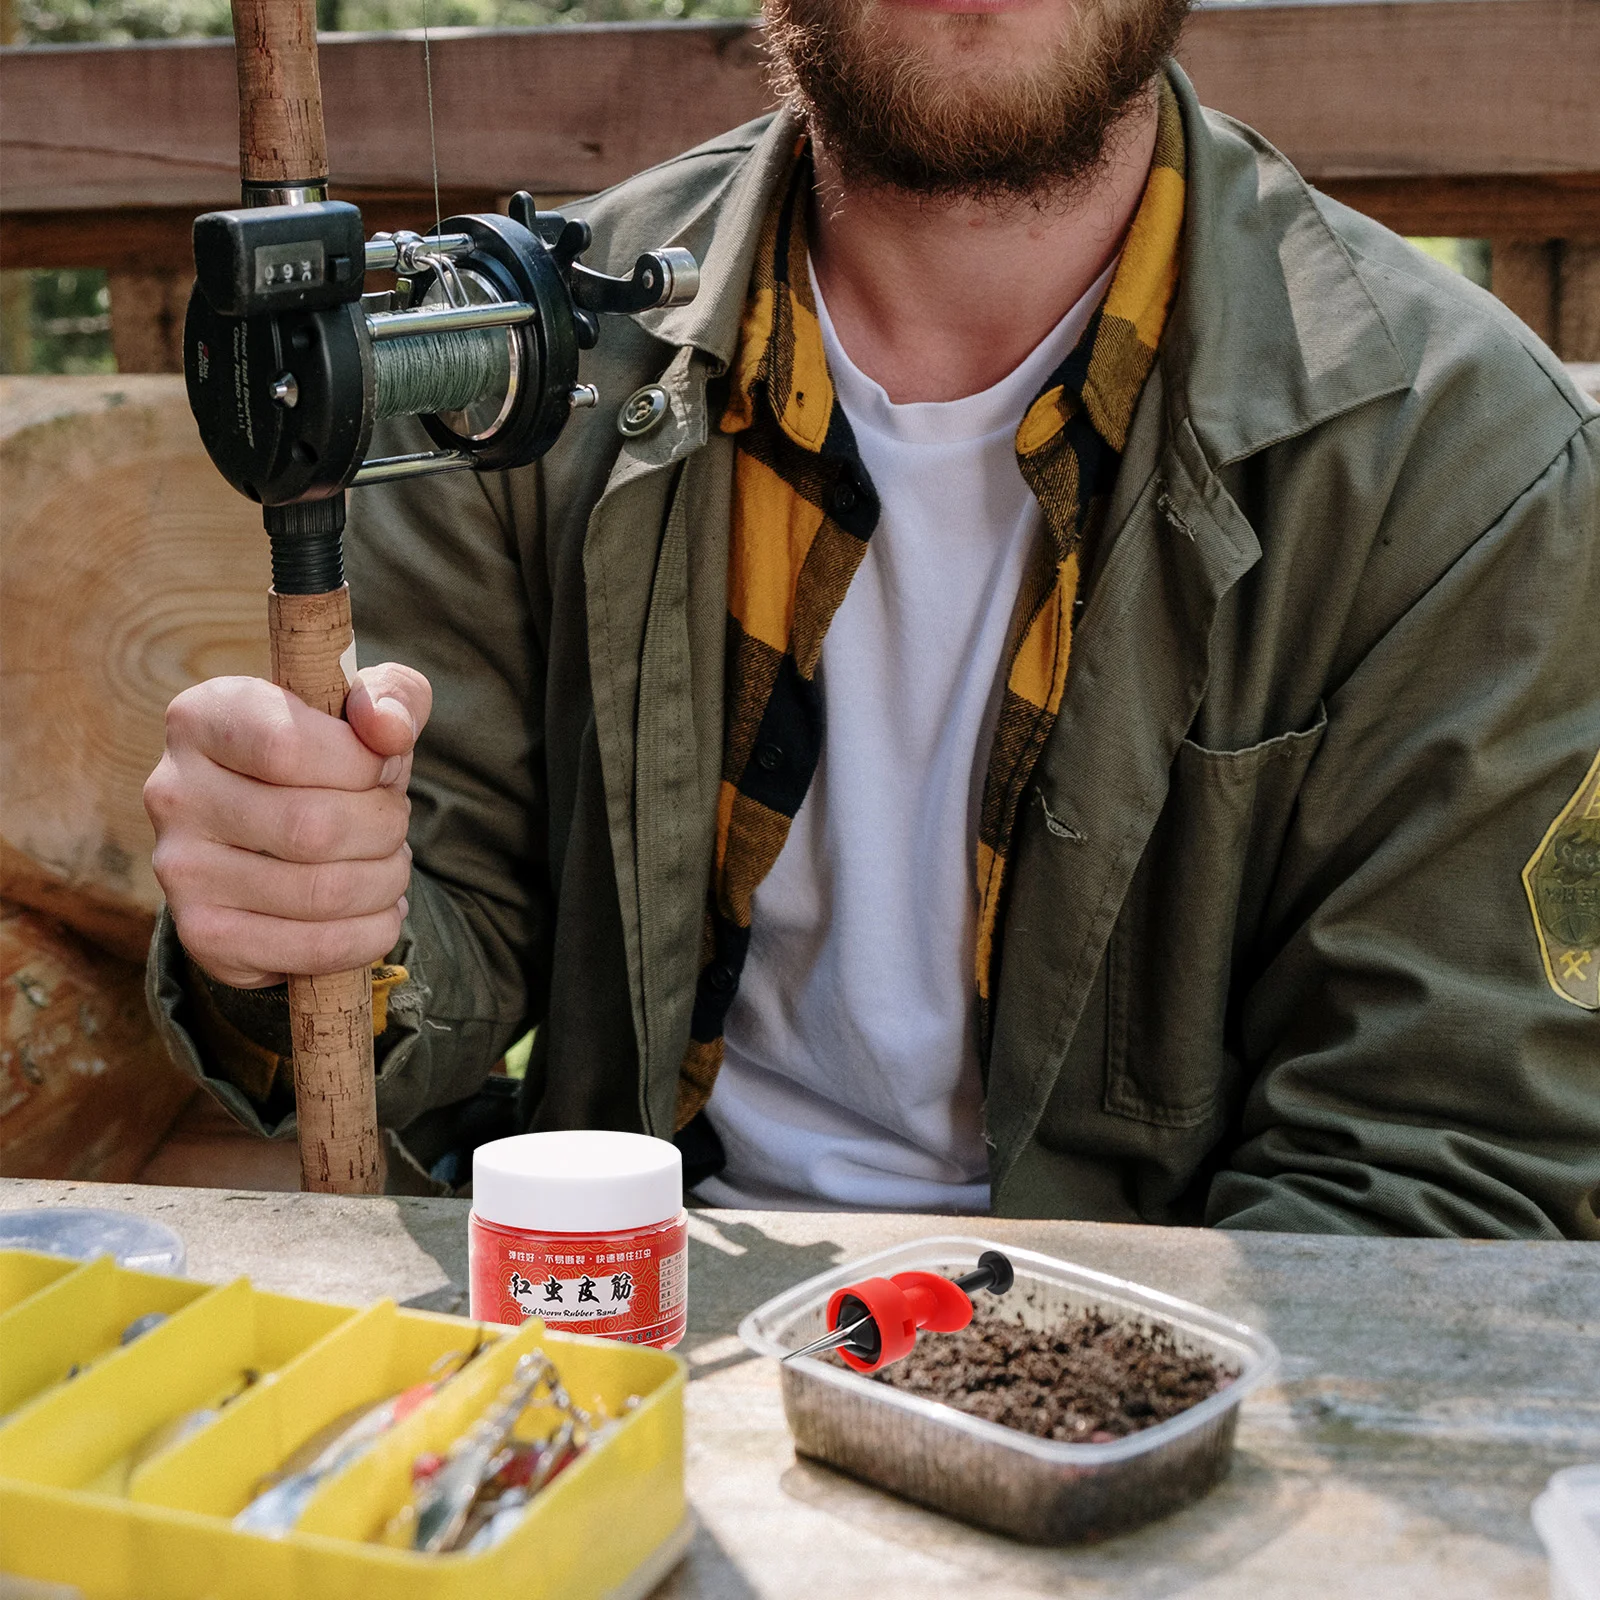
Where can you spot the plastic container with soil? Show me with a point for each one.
(1043, 1491)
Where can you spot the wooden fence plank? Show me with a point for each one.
(156, 238)
(1564, 206)
(1524, 274)
(1437, 88)
(1578, 303)
(147, 310)
(1350, 91)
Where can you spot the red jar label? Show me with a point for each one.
(632, 1286)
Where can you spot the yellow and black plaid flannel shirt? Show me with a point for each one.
(803, 512)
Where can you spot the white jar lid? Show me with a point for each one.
(582, 1180)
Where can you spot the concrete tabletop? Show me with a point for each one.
(1428, 1390)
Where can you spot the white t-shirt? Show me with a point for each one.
(851, 1071)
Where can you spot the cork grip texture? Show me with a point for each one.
(310, 634)
(331, 1016)
(281, 138)
(335, 1094)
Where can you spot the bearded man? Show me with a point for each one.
(1062, 684)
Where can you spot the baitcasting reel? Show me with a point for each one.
(289, 364)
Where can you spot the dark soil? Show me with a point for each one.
(1086, 1380)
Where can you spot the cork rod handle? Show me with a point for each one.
(330, 1017)
(282, 143)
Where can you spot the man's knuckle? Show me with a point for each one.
(331, 948)
(311, 832)
(279, 757)
(397, 875)
(396, 821)
(170, 861)
(161, 792)
(328, 890)
(185, 715)
(203, 931)
(390, 924)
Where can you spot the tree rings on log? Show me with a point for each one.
(129, 571)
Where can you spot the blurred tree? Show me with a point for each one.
(1469, 257)
(116, 21)
(55, 322)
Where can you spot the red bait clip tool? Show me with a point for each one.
(876, 1321)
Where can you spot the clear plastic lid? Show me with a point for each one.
(1567, 1517)
(82, 1233)
(589, 1180)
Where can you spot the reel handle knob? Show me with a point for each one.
(993, 1272)
(660, 278)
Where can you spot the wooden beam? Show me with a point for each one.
(147, 310)
(1405, 89)
(1554, 286)
(1430, 88)
(561, 108)
(158, 238)
(1564, 206)
(1578, 303)
(1524, 273)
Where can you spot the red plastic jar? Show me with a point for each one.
(584, 1229)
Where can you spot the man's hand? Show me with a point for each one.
(280, 831)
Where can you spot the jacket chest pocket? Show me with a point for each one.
(1189, 924)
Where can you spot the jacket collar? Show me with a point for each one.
(1274, 329)
(723, 231)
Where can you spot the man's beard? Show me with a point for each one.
(889, 114)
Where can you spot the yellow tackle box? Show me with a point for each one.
(101, 1492)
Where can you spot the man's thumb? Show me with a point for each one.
(387, 707)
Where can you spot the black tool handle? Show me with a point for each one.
(993, 1272)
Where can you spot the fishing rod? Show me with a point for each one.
(290, 363)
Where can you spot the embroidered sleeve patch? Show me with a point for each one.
(1562, 879)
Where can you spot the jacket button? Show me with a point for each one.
(642, 411)
(769, 757)
(721, 977)
(846, 497)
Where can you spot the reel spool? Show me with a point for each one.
(289, 364)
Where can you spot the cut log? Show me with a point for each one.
(86, 1089)
(129, 571)
(89, 908)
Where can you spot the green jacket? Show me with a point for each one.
(1268, 960)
